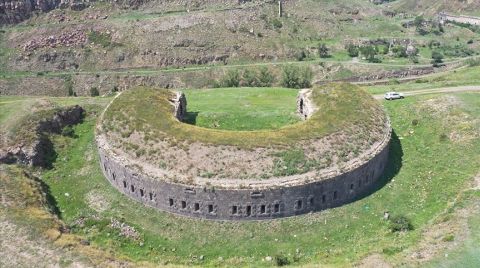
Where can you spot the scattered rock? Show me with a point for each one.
(126, 230)
(68, 39)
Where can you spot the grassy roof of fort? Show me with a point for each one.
(149, 111)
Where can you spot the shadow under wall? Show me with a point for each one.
(394, 164)
(191, 118)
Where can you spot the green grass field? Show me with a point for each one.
(253, 109)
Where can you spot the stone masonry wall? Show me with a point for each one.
(243, 204)
(305, 107)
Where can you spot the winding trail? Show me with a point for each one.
(435, 90)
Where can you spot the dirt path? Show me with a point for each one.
(435, 90)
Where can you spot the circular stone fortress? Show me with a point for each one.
(333, 156)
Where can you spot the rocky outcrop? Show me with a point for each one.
(67, 117)
(40, 151)
(12, 11)
(68, 39)
(180, 104)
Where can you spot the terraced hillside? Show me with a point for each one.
(179, 44)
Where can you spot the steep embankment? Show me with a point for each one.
(31, 144)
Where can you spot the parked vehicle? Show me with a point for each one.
(393, 96)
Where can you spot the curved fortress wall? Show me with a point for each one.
(242, 204)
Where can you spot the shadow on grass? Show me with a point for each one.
(52, 204)
(46, 152)
(191, 118)
(395, 158)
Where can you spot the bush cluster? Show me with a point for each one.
(400, 223)
(262, 77)
(94, 92)
(296, 77)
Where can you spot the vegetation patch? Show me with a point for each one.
(291, 162)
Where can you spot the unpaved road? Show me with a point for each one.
(435, 90)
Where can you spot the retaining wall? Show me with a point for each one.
(243, 204)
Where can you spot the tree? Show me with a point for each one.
(231, 79)
(306, 76)
(352, 50)
(420, 24)
(94, 92)
(249, 78)
(265, 77)
(419, 21)
(437, 58)
(296, 77)
(70, 91)
(300, 55)
(290, 76)
(323, 51)
(369, 53)
(400, 51)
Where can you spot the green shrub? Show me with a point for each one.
(392, 250)
(300, 55)
(94, 92)
(231, 79)
(277, 24)
(448, 238)
(437, 58)
(414, 59)
(443, 137)
(353, 51)
(370, 53)
(281, 260)
(297, 77)
(249, 78)
(400, 51)
(400, 223)
(265, 77)
(323, 51)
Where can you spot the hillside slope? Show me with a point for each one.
(431, 7)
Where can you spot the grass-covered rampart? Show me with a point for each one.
(340, 106)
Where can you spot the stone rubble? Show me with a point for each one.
(125, 230)
(69, 39)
